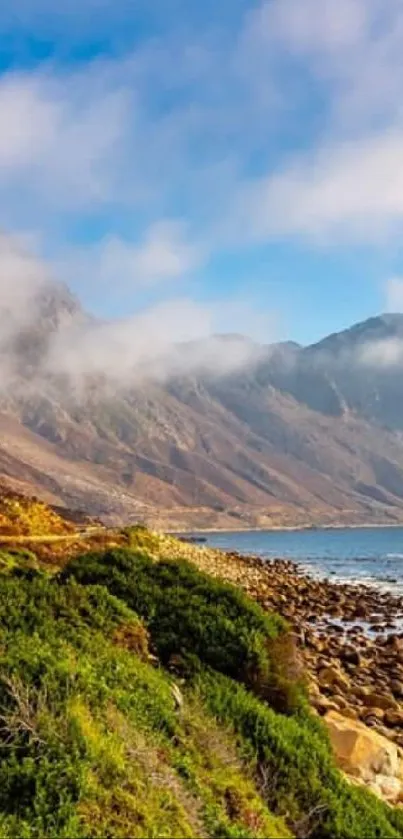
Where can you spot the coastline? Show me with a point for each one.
(349, 636)
(283, 528)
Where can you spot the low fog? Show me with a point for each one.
(45, 328)
(47, 339)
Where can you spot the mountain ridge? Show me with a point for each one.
(288, 435)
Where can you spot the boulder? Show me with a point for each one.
(396, 688)
(333, 677)
(340, 701)
(349, 712)
(379, 700)
(350, 655)
(366, 756)
(323, 704)
(359, 750)
(391, 788)
(376, 714)
(394, 718)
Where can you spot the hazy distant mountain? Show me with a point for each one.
(358, 370)
(288, 435)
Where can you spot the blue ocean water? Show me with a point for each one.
(364, 555)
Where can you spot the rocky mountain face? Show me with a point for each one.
(292, 435)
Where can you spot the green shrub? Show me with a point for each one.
(91, 742)
(17, 558)
(297, 772)
(195, 618)
(26, 604)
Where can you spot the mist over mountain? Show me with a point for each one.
(358, 370)
(130, 421)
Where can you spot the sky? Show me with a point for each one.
(234, 165)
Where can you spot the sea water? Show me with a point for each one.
(355, 555)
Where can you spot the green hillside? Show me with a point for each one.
(142, 698)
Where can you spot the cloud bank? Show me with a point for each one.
(45, 335)
(138, 168)
(346, 193)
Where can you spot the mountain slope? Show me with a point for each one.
(295, 435)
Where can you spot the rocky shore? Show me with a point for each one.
(349, 636)
(349, 639)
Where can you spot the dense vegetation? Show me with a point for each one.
(192, 618)
(145, 699)
(21, 516)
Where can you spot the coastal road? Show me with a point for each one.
(43, 540)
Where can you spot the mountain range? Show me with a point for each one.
(285, 436)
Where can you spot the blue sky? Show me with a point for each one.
(244, 158)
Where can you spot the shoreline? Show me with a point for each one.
(283, 528)
(349, 635)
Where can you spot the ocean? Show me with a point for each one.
(373, 556)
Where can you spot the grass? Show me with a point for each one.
(238, 660)
(91, 740)
(293, 759)
(144, 698)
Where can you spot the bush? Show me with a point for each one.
(194, 619)
(298, 777)
(39, 602)
(91, 743)
(17, 558)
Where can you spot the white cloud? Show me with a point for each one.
(314, 25)
(352, 49)
(170, 123)
(127, 349)
(115, 264)
(174, 126)
(29, 121)
(348, 186)
(163, 254)
(394, 294)
(349, 192)
(385, 353)
(21, 277)
(60, 139)
(171, 338)
(243, 315)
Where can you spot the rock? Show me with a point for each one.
(323, 705)
(366, 756)
(361, 610)
(395, 643)
(313, 689)
(332, 676)
(350, 713)
(394, 718)
(390, 788)
(359, 691)
(379, 700)
(350, 655)
(396, 688)
(340, 701)
(376, 714)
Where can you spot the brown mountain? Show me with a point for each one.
(292, 436)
